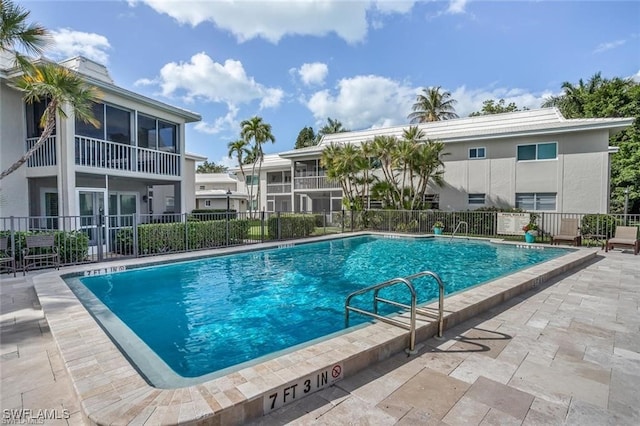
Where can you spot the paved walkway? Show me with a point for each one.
(566, 354)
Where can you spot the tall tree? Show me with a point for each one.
(408, 166)
(433, 105)
(212, 167)
(256, 130)
(332, 126)
(490, 106)
(20, 36)
(59, 86)
(239, 149)
(615, 97)
(573, 102)
(306, 137)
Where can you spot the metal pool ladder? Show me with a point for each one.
(458, 227)
(407, 281)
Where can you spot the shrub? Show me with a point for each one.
(291, 226)
(171, 237)
(598, 224)
(211, 214)
(73, 246)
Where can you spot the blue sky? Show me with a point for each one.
(295, 63)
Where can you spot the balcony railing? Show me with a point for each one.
(278, 188)
(316, 182)
(43, 156)
(114, 156)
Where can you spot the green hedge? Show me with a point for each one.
(481, 221)
(211, 214)
(73, 246)
(170, 237)
(291, 226)
(598, 224)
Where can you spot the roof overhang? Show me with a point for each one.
(194, 157)
(188, 116)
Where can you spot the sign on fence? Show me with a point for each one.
(511, 223)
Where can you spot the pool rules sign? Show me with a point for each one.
(302, 387)
(511, 223)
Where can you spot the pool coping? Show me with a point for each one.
(110, 390)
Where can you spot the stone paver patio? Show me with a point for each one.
(567, 353)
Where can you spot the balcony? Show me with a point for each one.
(45, 155)
(315, 182)
(279, 188)
(100, 154)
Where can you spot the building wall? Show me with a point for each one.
(12, 139)
(221, 204)
(578, 176)
(64, 177)
(225, 186)
(189, 185)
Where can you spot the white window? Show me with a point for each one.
(207, 203)
(477, 152)
(252, 180)
(169, 203)
(542, 201)
(201, 187)
(538, 151)
(431, 201)
(476, 198)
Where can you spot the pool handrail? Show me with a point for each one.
(407, 281)
(424, 312)
(412, 320)
(458, 227)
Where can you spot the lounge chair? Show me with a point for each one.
(6, 256)
(626, 237)
(569, 232)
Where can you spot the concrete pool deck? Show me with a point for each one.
(565, 352)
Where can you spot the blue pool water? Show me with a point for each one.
(205, 315)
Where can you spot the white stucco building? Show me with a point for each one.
(215, 190)
(139, 148)
(536, 160)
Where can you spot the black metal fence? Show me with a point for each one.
(87, 239)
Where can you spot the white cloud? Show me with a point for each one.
(364, 101)
(394, 6)
(203, 78)
(272, 98)
(470, 100)
(636, 77)
(68, 43)
(314, 73)
(457, 7)
(220, 124)
(372, 101)
(273, 20)
(228, 162)
(603, 47)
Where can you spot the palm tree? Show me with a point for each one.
(59, 86)
(238, 149)
(254, 129)
(332, 126)
(17, 35)
(427, 165)
(433, 105)
(383, 148)
(573, 101)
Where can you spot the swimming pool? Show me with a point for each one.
(206, 315)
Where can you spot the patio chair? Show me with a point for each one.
(626, 237)
(569, 232)
(6, 255)
(40, 250)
